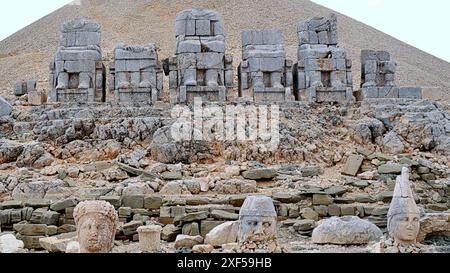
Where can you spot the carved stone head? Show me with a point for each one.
(403, 215)
(96, 226)
(258, 220)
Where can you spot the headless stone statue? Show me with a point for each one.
(96, 226)
(200, 67)
(257, 225)
(323, 72)
(77, 74)
(264, 73)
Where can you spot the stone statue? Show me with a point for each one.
(77, 73)
(403, 215)
(258, 225)
(264, 74)
(96, 226)
(323, 72)
(136, 74)
(200, 67)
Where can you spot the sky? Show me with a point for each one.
(423, 24)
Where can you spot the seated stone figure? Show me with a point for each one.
(258, 225)
(77, 74)
(323, 72)
(403, 214)
(96, 226)
(200, 67)
(378, 78)
(136, 74)
(264, 73)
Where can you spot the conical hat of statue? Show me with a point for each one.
(258, 206)
(403, 200)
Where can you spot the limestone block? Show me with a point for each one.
(37, 98)
(5, 108)
(271, 64)
(203, 27)
(210, 60)
(217, 28)
(410, 92)
(189, 46)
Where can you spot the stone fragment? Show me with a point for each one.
(223, 234)
(353, 165)
(350, 230)
(187, 241)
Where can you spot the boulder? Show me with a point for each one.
(186, 241)
(9, 151)
(434, 223)
(349, 230)
(259, 174)
(9, 244)
(392, 143)
(223, 234)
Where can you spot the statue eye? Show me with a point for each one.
(416, 219)
(405, 219)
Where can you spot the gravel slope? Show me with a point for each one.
(26, 54)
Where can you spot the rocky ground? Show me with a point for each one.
(331, 161)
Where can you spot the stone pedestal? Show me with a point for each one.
(149, 238)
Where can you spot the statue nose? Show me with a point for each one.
(259, 229)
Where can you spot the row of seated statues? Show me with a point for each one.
(201, 66)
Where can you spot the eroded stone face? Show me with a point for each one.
(96, 226)
(403, 215)
(258, 220)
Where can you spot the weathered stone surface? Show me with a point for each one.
(202, 249)
(152, 202)
(188, 241)
(31, 229)
(311, 171)
(30, 242)
(149, 238)
(345, 231)
(390, 168)
(9, 244)
(304, 225)
(223, 234)
(259, 174)
(133, 201)
(5, 108)
(9, 151)
(392, 143)
(11, 204)
(191, 217)
(172, 175)
(63, 204)
(50, 218)
(353, 164)
(131, 227)
(235, 186)
(322, 199)
(434, 224)
(336, 190)
(309, 213)
(58, 244)
(224, 215)
(169, 233)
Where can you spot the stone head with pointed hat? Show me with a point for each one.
(96, 226)
(403, 215)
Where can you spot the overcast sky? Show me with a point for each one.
(423, 24)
